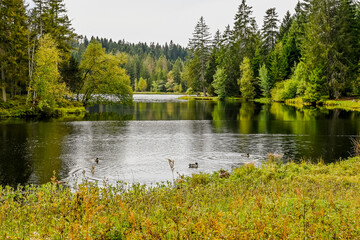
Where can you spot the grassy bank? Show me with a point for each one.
(345, 104)
(274, 201)
(201, 98)
(17, 108)
(160, 93)
(349, 105)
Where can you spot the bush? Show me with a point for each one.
(284, 90)
(190, 91)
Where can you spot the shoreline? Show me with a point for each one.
(274, 200)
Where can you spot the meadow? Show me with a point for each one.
(271, 201)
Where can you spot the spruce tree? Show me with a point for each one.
(245, 39)
(269, 30)
(329, 48)
(13, 46)
(199, 46)
(285, 25)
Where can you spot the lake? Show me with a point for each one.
(135, 142)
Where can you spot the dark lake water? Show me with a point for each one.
(134, 143)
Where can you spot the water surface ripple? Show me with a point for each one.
(133, 143)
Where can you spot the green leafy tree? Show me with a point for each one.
(50, 17)
(102, 74)
(246, 81)
(142, 85)
(219, 83)
(46, 89)
(278, 63)
(265, 81)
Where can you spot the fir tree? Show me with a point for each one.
(270, 30)
(200, 45)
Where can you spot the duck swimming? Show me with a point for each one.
(245, 155)
(193, 165)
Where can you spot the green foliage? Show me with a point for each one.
(246, 81)
(13, 47)
(284, 90)
(275, 200)
(329, 46)
(315, 86)
(102, 75)
(270, 30)
(265, 81)
(142, 85)
(199, 46)
(46, 91)
(278, 63)
(71, 74)
(190, 91)
(158, 85)
(219, 83)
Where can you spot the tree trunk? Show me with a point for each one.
(203, 76)
(3, 84)
(4, 93)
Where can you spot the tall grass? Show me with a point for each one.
(274, 201)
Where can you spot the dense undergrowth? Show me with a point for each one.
(17, 108)
(274, 201)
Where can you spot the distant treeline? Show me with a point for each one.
(151, 67)
(171, 51)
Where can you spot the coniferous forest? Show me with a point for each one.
(312, 54)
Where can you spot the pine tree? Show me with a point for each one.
(13, 45)
(270, 30)
(58, 25)
(285, 25)
(244, 41)
(329, 48)
(200, 45)
(50, 17)
(219, 83)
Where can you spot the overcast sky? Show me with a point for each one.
(160, 21)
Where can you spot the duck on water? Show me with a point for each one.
(193, 165)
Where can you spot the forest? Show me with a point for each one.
(312, 54)
(45, 63)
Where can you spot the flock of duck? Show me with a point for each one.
(191, 165)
